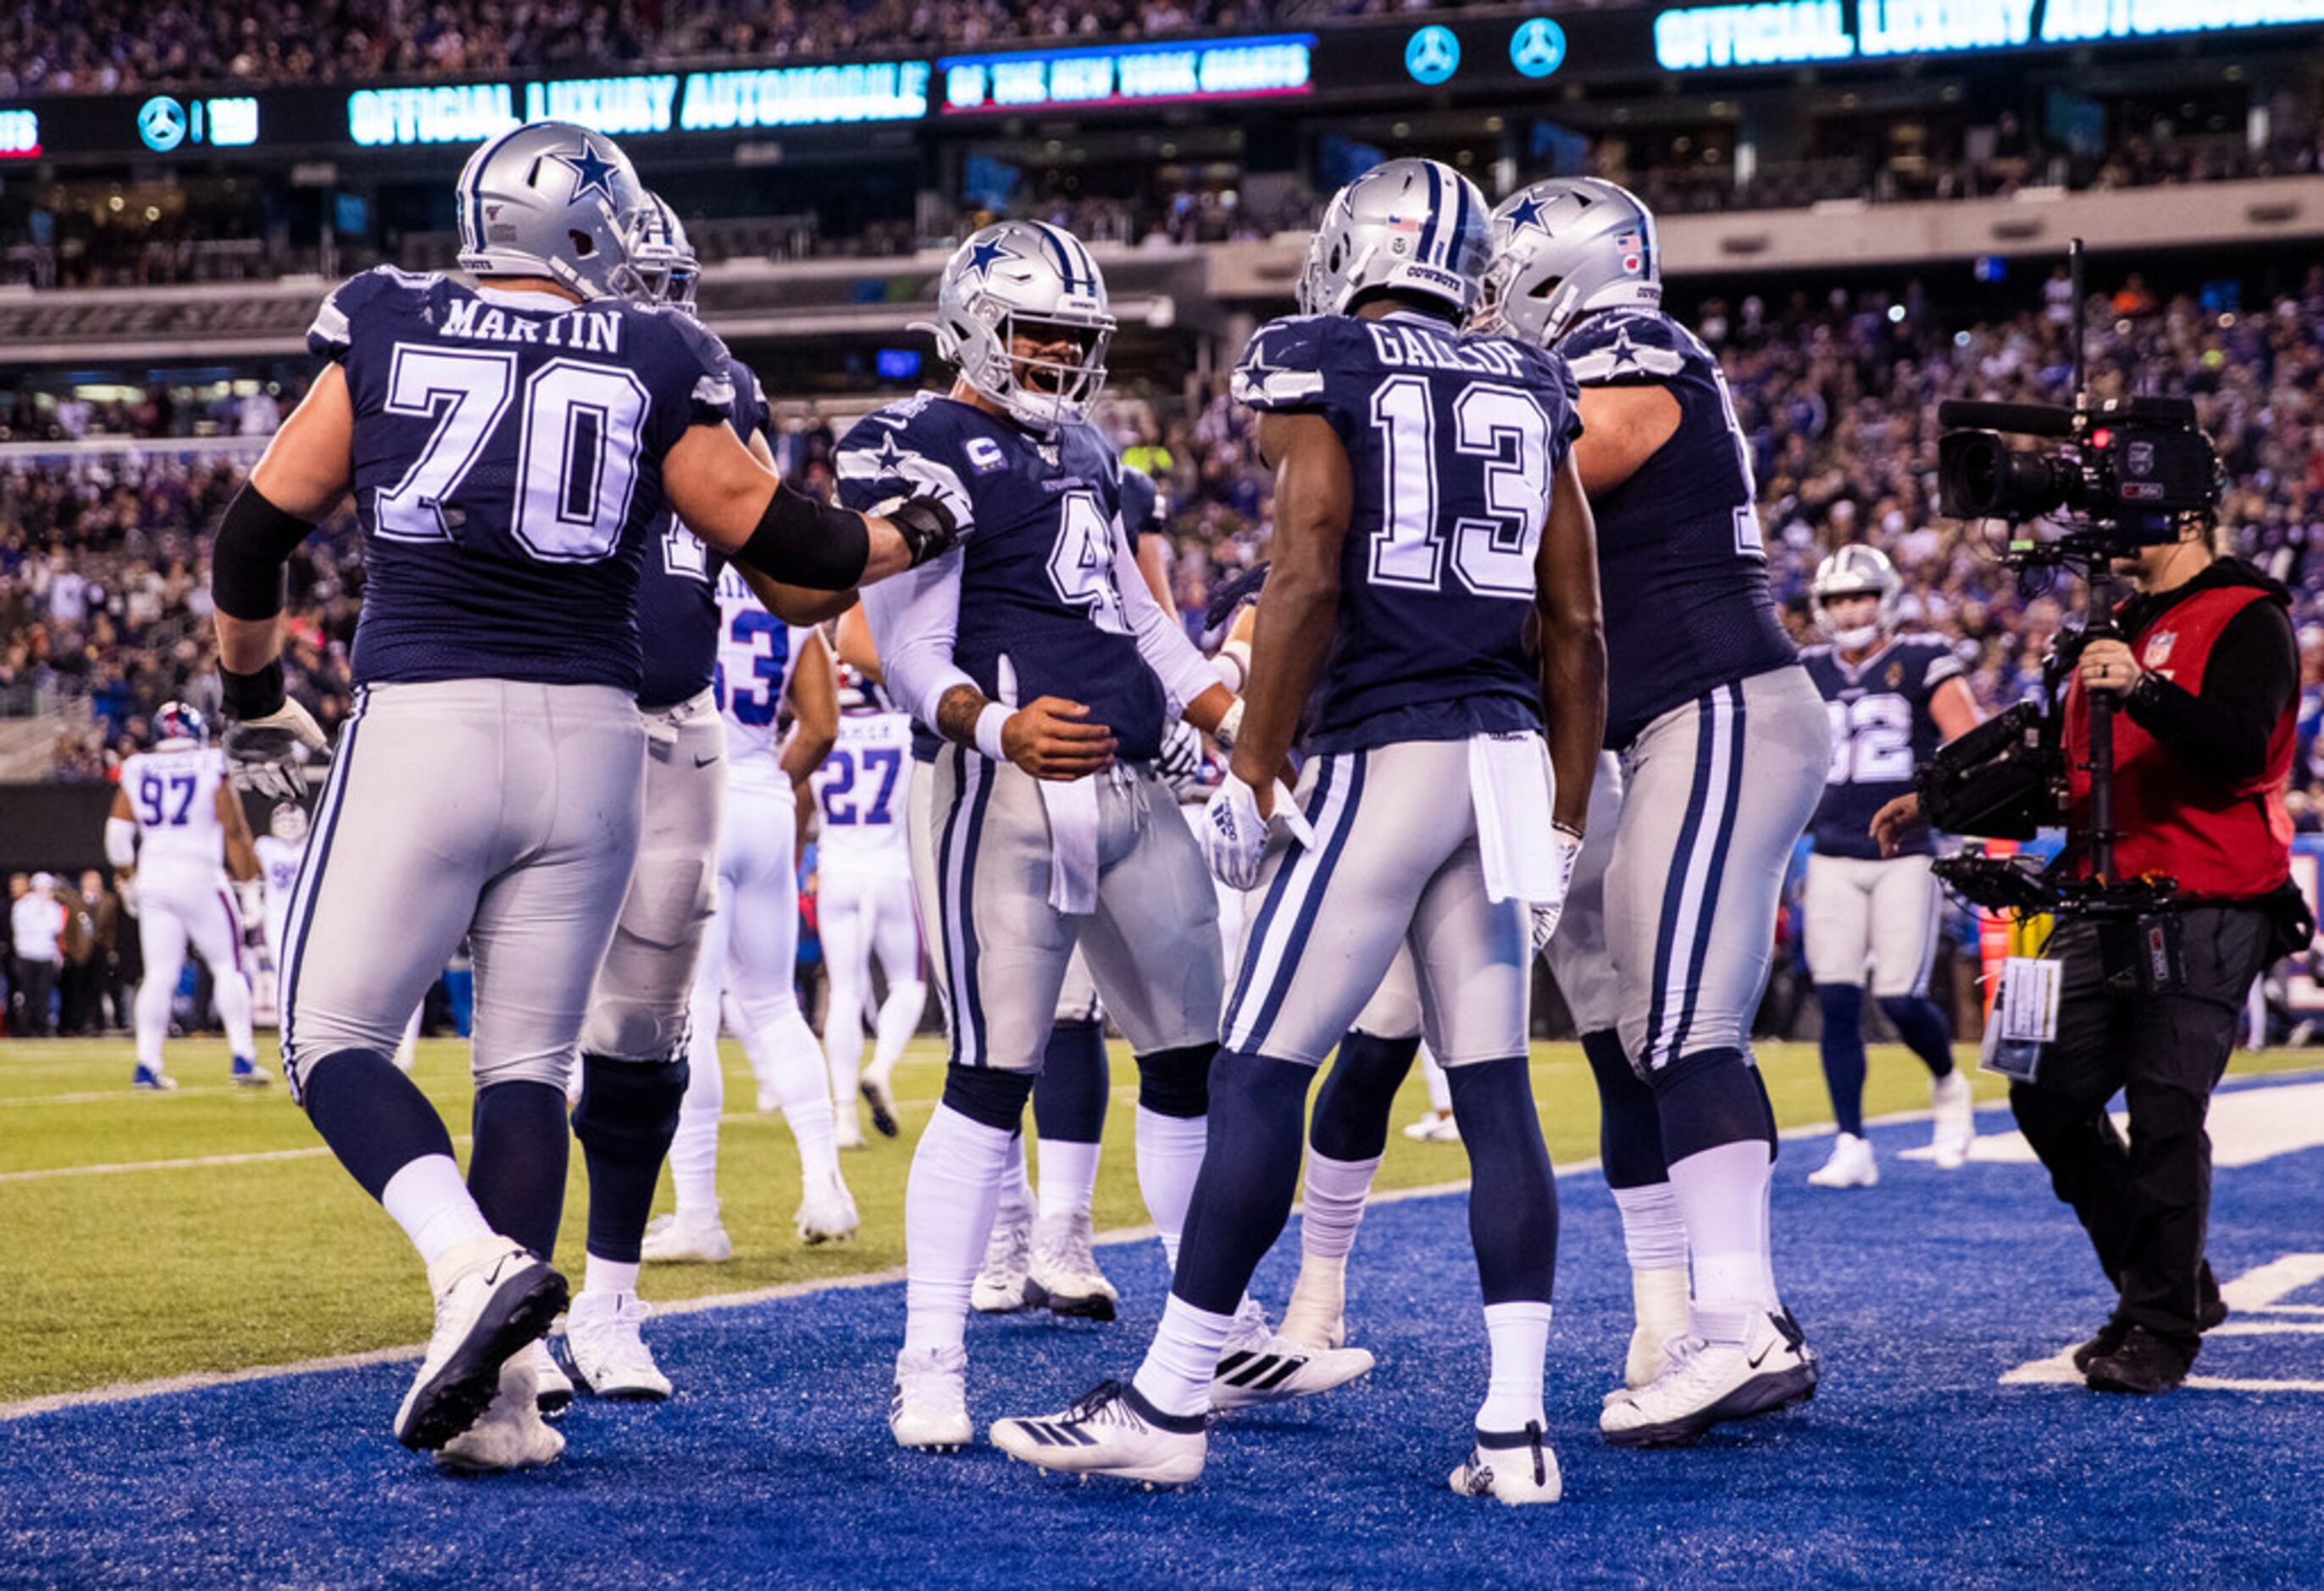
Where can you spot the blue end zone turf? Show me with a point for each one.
(1915, 1465)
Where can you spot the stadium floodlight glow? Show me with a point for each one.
(20, 134)
(1130, 74)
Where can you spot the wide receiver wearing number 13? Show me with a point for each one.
(511, 446)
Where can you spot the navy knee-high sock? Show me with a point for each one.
(1512, 1194)
(1069, 1098)
(1629, 1122)
(1843, 1053)
(1353, 1108)
(1709, 1099)
(627, 1117)
(517, 1169)
(1251, 1171)
(1922, 1025)
(374, 1118)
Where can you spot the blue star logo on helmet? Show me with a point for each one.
(1525, 213)
(982, 257)
(591, 172)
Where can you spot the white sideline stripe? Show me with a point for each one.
(115, 1096)
(115, 1168)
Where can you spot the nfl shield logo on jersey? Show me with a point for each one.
(2158, 648)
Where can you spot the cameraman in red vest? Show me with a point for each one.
(2208, 678)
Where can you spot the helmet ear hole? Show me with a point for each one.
(583, 243)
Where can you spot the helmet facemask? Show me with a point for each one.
(1012, 356)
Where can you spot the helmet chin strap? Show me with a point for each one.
(1856, 638)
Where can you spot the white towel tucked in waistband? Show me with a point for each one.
(1513, 785)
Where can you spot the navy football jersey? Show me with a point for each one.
(1037, 520)
(1881, 730)
(678, 595)
(1680, 555)
(507, 472)
(1452, 443)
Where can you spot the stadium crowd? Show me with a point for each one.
(102, 583)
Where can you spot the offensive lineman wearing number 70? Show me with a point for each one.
(511, 446)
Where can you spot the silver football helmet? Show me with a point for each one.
(662, 268)
(1562, 249)
(288, 824)
(1033, 280)
(551, 200)
(1407, 226)
(1857, 570)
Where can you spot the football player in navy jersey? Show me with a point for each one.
(1037, 655)
(1893, 699)
(1427, 509)
(513, 445)
(1705, 701)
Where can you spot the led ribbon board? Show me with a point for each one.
(1129, 74)
(1796, 33)
(654, 102)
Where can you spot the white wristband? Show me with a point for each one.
(989, 724)
(1229, 725)
(1232, 665)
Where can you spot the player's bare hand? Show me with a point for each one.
(2108, 665)
(1894, 822)
(1051, 738)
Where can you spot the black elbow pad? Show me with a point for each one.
(802, 542)
(255, 540)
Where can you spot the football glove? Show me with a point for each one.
(126, 888)
(1546, 913)
(1180, 766)
(1236, 837)
(267, 755)
(250, 906)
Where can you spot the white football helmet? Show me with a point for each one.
(1857, 570)
(662, 267)
(1561, 248)
(1407, 225)
(1025, 279)
(551, 200)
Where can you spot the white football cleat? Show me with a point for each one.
(1853, 1165)
(497, 1296)
(609, 1356)
(1956, 1111)
(929, 1407)
(1259, 1367)
(1516, 1467)
(1112, 1431)
(1316, 1316)
(509, 1434)
(1063, 1273)
(674, 1240)
(552, 1388)
(1435, 1128)
(1708, 1384)
(826, 1214)
(1000, 1286)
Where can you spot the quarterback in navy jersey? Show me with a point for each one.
(511, 446)
(1723, 742)
(1893, 699)
(1037, 657)
(1428, 512)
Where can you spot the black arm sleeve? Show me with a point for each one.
(2251, 678)
(802, 542)
(255, 540)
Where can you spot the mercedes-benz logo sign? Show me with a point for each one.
(1537, 48)
(161, 124)
(1432, 54)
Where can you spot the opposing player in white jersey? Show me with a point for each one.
(864, 908)
(1893, 699)
(280, 850)
(1424, 495)
(175, 834)
(750, 953)
(511, 446)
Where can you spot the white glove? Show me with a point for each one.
(268, 756)
(1545, 912)
(250, 906)
(1236, 837)
(126, 888)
